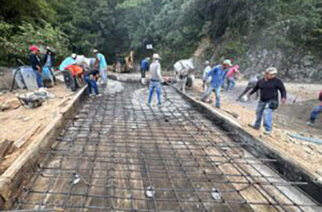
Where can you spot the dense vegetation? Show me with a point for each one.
(174, 27)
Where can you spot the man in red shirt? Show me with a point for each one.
(315, 112)
(231, 77)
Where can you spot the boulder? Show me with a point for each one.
(11, 104)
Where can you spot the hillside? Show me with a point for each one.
(255, 34)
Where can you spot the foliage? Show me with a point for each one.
(42, 36)
(174, 27)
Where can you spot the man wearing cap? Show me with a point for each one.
(205, 81)
(156, 79)
(231, 77)
(48, 61)
(218, 74)
(102, 65)
(269, 87)
(35, 63)
(315, 112)
(68, 61)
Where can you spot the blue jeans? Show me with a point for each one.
(103, 74)
(264, 110)
(210, 89)
(91, 85)
(155, 85)
(230, 83)
(315, 112)
(38, 78)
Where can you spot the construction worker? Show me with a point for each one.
(144, 68)
(205, 81)
(102, 65)
(156, 79)
(68, 61)
(231, 77)
(218, 74)
(269, 87)
(90, 78)
(250, 86)
(48, 60)
(35, 63)
(315, 112)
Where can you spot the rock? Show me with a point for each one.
(11, 104)
(4, 106)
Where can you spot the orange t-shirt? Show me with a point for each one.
(75, 70)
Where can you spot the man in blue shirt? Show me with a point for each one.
(144, 68)
(218, 74)
(102, 65)
(68, 61)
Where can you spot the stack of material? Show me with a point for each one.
(34, 99)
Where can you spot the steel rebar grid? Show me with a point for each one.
(117, 149)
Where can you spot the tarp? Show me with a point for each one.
(184, 65)
(82, 60)
(25, 78)
(45, 74)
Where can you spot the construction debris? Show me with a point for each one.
(34, 99)
(11, 104)
(5, 146)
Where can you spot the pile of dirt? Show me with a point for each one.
(20, 121)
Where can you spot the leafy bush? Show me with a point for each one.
(42, 36)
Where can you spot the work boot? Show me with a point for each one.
(253, 126)
(218, 106)
(309, 123)
(267, 132)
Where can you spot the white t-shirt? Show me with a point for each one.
(205, 73)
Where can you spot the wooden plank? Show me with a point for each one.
(4, 147)
(21, 141)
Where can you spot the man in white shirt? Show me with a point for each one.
(205, 81)
(156, 79)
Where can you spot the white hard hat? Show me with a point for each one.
(227, 62)
(74, 56)
(95, 51)
(271, 70)
(156, 56)
(207, 62)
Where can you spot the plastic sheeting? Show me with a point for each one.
(184, 65)
(25, 78)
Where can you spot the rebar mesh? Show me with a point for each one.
(118, 154)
